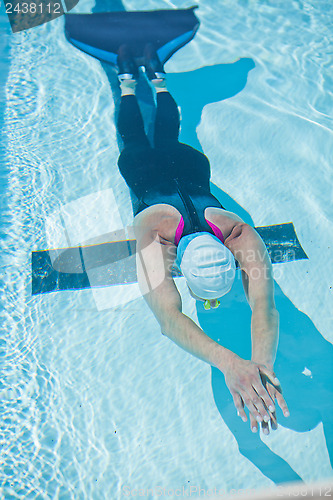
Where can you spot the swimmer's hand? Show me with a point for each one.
(254, 385)
(275, 392)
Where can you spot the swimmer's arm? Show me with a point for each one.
(264, 319)
(154, 263)
(257, 274)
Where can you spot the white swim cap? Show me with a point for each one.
(208, 265)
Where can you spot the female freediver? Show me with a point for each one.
(177, 221)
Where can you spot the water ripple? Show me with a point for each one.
(92, 400)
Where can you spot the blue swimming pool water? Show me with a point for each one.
(4, 65)
(94, 401)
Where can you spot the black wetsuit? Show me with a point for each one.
(171, 172)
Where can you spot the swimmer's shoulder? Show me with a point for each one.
(224, 220)
(161, 219)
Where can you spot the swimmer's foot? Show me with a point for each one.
(154, 67)
(127, 69)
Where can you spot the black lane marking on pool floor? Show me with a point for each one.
(113, 263)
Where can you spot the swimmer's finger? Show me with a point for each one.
(253, 423)
(265, 428)
(270, 375)
(272, 392)
(272, 421)
(239, 406)
(274, 424)
(282, 404)
(266, 398)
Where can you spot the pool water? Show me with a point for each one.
(95, 402)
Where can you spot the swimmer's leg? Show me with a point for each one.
(130, 123)
(137, 160)
(185, 162)
(167, 121)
